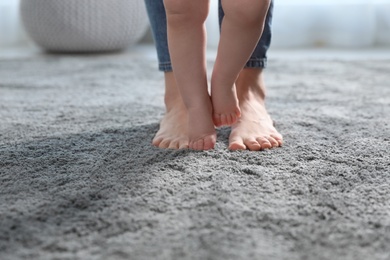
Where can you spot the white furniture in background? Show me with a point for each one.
(84, 25)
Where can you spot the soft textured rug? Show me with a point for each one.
(79, 178)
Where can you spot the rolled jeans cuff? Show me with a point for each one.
(165, 66)
(256, 63)
(252, 63)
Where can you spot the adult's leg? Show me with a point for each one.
(173, 131)
(254, 130)
(187, 47)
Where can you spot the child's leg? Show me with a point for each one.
(240, 31)
(254, 130)
(187, 45)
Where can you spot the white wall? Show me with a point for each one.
(336, 23)
(382, 12)
(11, 31)
(329, 23)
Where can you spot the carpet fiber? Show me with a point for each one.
(80, 180)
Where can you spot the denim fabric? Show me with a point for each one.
(158, 21)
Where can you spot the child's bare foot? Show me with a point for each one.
(173, 132)
(254, 130)
(226, 110)
(202, 135)
(241, 28)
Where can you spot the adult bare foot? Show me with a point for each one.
(201, 131)
(173, 132)
(254, 130)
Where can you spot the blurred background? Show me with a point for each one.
(296, 24)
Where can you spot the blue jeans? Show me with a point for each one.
(158, 21)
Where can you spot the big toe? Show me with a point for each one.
(236, 143)
(156, 141)
(164, 143)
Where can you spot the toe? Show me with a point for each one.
(228, 119)
(224, 119)
(236, 143)
(273, 142)
(156, 141)
(197, 145)
(164, 143)
(209, 143)
(232, 119)
(174, 145)
(252, 144)
(200, 145)
(183, 144)
(206, 143)
(234, 146)
(264, 143)
(217, 120)
(238, 112)
(278, 139)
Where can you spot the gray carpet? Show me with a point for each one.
(80, 180)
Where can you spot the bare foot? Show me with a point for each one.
(254, 130)
(201, 131)
(241, 29)
(226, 110)
(181, 129)
(173, 132)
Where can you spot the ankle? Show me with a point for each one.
(172, 97)
(250, 84)
(172, 103)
